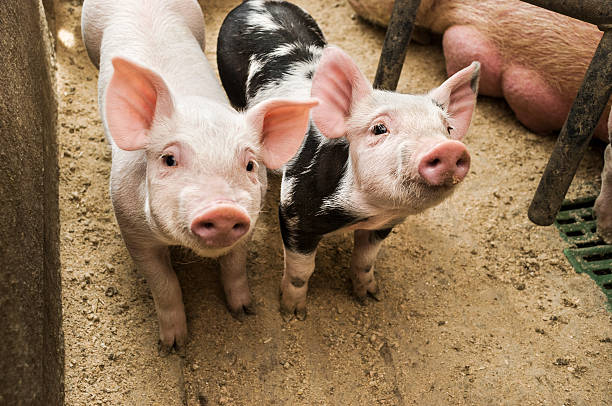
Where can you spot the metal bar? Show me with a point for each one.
(396, 42)
(575, 135)
(598, 12)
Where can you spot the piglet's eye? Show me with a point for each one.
(379, 129)
(250, 166)
(449, 128)
(169, 160)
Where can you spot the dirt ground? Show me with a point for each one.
(479, 305)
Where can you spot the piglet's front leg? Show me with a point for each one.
(154, 264)
(235, 282)
(294, 285)
(367, 243)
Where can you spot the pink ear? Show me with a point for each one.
(458, 96)
(134, 97)
(338, 83)
(283, 124)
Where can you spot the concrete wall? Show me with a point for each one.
(31, 354)
(50, 13)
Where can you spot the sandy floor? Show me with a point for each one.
(479, 305)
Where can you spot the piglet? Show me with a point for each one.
(603, 204)
(370, 158)
(187, 169)
(532, 57)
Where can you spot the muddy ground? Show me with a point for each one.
(479, 305)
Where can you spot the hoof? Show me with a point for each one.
(289, 314)
(243, 311)
(166, 349)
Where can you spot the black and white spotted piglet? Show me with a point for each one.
(370, 157)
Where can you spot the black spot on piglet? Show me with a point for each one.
(297, 282)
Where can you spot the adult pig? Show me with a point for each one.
(370, 157)
(187, 169)
(534, 58)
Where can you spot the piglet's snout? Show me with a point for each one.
(221, 225)
(445, 164)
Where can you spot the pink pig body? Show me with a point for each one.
(187, 169)
(534, 58)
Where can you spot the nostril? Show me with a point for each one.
(461, 162)
(238, 226)
(434, 162)
(208, 225)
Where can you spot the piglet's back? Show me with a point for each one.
(166, 36)
(96, 15)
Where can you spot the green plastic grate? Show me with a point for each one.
(588, 253)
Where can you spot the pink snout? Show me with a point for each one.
(445, 164)
(221, 225)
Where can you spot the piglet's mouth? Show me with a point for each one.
(456, 179)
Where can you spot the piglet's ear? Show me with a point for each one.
(282, 124)
(458, 96)
(339, 84)
(134, 97)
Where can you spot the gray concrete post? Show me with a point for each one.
(31, 353)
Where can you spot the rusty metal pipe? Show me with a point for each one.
(575, 135)
(598, 12)
(396, 42)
